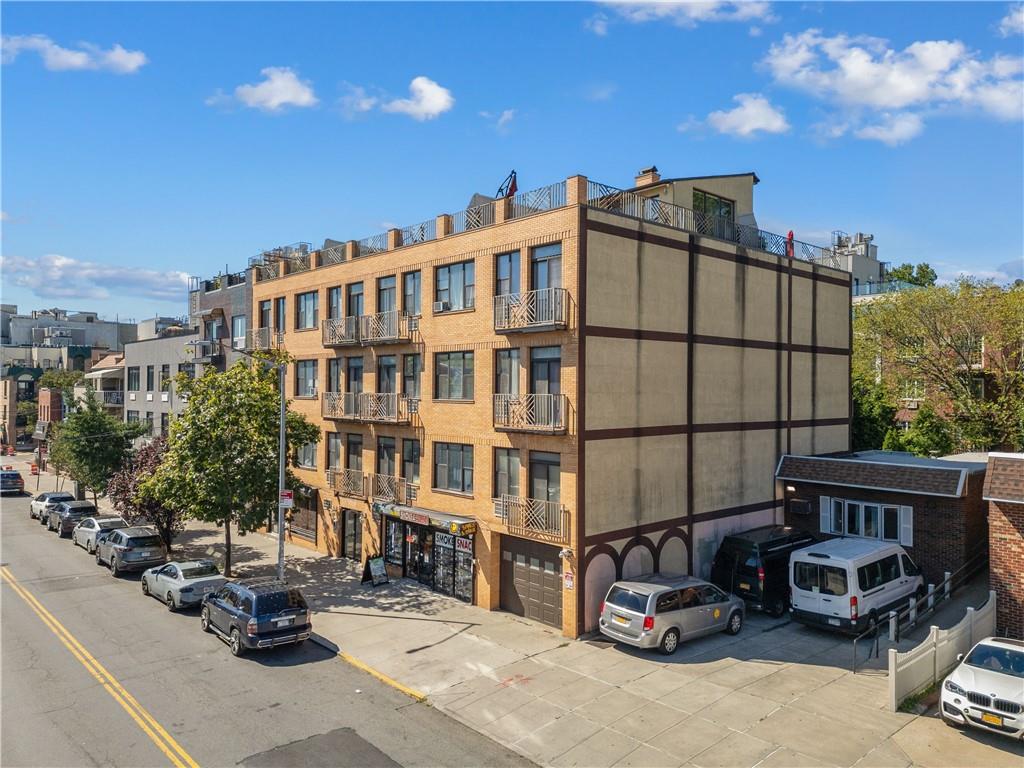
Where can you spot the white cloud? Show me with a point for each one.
(1002, 274)
(893, 129)
(863, 74)
(754, 114)
(426, 101)
(279, 88)
(598, 24)
(88, 56)
(61, 277)
(357, 101)
(600, 91)
(689, 14)
(1013, 22)
(505, 118)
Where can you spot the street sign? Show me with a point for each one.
(286, 499)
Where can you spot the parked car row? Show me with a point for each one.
(247, 613)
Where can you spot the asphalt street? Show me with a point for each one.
(94, 673)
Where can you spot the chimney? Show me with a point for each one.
(647, 176)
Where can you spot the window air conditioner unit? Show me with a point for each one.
(442, 306)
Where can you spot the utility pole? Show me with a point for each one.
(282, 447)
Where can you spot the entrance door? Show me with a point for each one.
(352, 534)
(531, 580)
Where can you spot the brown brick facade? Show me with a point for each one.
(1006, 565)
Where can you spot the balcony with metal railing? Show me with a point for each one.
(206, 351)
(543, 310)
(347, 482)
(390, 327)
(263, 339)
(340, 331)
(340, 405)
(534, 519)
(391, 489)
(111, 397)
(546, 414)
(384, 407)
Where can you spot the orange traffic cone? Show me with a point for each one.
(34, 470)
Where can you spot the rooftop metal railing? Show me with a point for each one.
(373, 244)
(335, 254)
(537, 200)
(473, 218)
(418, 233)
(877, 289)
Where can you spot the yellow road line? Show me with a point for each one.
(411, 692)
(175, 753)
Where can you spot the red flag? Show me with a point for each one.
(512, 187)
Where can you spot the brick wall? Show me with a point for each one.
(946, 530)
(1006, 565)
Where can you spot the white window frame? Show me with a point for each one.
(904, 520)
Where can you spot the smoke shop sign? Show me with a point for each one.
(412, 516)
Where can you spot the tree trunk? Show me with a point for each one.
(227, 548)
(95, 499)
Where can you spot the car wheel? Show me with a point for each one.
(777, 608)
(170, 602)
(88, 547)
(99, 561)
(735, 623)
(145, 587)
(204, 619)
(237, 649)
(114, 570)
(669, 642)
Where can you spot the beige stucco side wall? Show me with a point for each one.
(635, 383)
(732, 469)
(739, 301)
(820, 386)
(811, 441)
(815, 319)
(738, 384)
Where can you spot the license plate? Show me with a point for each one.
(283, 622)
(991, 719)
(834, 622)
(744, 585)
(619, 619)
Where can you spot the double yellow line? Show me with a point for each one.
(163, 740)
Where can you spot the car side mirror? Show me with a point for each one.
(959, 657)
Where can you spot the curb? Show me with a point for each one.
(352, 660)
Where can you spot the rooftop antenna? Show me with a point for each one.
(508, 187)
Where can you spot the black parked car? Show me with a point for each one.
(259, 613)
(67, 515)
(754, 565)
(11, 481)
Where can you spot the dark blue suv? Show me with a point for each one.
(256, 613)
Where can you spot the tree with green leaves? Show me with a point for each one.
(873, 413)
(28, 410)
(929, 435)
(922, 274)
(125, 492)
(91, 445)
(221, 464)
(65, 381)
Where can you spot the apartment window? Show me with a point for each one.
(713, 205)
(238, 328)
(506, 472)
(354, 299)
(507, 274)
(411, 293)
(306, 310)
(149, 422)
(334, 302)
(546, 267)
(279, 316)
(354, 452)
(306, 456)
(334, 374)
(506, 372)
(412, 367)
(212, 330)
(165, 423)
(132, 417)
(386, 456)
(165, 375)
(265, 314)
(455, 287)
(150, 377)
(133, 378)
(305, 378)
(386, 298)
(334, 455)
(888, 522)
(453, 467)
(386, 374)
(354, 375)
(189, 369)
(545, 476)
(453, 376)
(411, 461)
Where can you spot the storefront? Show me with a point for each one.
(434, 548)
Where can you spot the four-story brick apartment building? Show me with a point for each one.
(527, 399)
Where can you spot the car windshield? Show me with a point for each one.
(996, 659)
(78, 514)
(112, 525)
(631, 601)
(198, 571)
(274, 602)
(144, 541)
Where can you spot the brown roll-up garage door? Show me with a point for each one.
(531, 580)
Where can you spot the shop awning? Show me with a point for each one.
(105, 373)
(461, 526)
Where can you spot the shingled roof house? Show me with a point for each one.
(1004, 492)
(933, 507)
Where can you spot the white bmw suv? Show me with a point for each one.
(986, 690)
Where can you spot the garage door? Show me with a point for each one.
(531, 580)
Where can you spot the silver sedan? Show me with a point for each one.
(180, 585)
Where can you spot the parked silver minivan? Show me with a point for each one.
(660, 611)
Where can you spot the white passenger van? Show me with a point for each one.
(851, 584)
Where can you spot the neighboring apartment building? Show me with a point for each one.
(107, 380)
(149, 370)
(60, 327)
(219, 309)
(527, 399)
(8, 410)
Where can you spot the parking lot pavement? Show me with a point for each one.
(778, 694)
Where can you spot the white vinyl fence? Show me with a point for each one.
(928, 663)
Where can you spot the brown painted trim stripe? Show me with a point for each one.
(703, 250)
(619, 433)
(662, 525)
(581, 422)
(610, 332)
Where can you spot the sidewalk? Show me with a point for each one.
(778, 694)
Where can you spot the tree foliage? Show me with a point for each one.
(91, 445)
(221, 464)
(125, 492)
(921, 274)
(929, 435)
(963, 346)
(873, 413)
(29, 409)
(63, 380)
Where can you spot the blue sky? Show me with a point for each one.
(141, 141)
